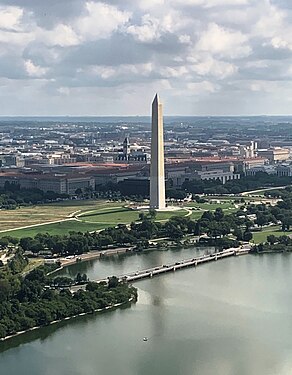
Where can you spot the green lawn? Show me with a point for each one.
(92, 216)
(259, 237)
(111, 216)
(91, 221)
(123, 215)
(210, 206)
(63, 227)
(262, 192)
(31, 215)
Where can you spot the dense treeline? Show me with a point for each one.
(280, 213)
(246, 183)
(138, 234)
(30, 301)
(218, 226)
(274, 244)
(12, 196)
(215, 225)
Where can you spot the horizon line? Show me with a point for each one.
(227, 115)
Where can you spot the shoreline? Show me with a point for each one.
(271, 252)
(96, 254)
(111, 307)
(127, 250)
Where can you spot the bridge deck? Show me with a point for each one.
(155, 271)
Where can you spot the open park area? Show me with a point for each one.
(275, 230)
(94, 215)
(89, 215)
(61, 218)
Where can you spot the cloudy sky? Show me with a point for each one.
(204, 57)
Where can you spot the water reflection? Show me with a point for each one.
(125, 263)
(227, 317)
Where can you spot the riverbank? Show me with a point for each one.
(96, 254)
(271, 252)
(107, 308)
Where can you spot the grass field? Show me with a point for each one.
(33, 263)
(92, 219)
(123, 215)
(211, 206)
(86, 216)
(262, 192)
(259, 237)
(26, 216)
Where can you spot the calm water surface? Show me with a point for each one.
(232, 317)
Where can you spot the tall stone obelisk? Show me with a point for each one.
(157, 179)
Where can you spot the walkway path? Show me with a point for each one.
(37, 225)
(245, 193)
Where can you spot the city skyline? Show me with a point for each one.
(205, 57)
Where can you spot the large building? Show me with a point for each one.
(58, 183)
(275, 155)
(157, 176)
(131, 156)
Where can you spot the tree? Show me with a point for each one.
(5, 290)
(197, 230)
(113, 282)
(142, 216)
(272, 239)
(78, 191)
(4, 242)
(152, 214)
(238, 233)
(247, 236)
(219, 214)
(208, 215)
(78, 278)
(261, 219)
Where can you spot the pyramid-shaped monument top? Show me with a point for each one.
(156, 99)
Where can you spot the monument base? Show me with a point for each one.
(165, 209)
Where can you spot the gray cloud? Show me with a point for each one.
(204, 56)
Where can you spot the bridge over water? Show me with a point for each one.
(193, 262)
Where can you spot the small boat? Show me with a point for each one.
(145, 338)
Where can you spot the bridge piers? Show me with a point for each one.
(149, 273)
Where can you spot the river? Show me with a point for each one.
(230, 317)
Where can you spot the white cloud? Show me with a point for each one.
(122, 71)
(173, 72)
(270, 20)
(186, 48)
(210, 3)
(215, 68)
(202, 87)
(148, 31)
(263, 86)
(10, 17)
(35, 70)
(20, 39)
(224, 42)
(152, 28)
(61, 35)
(101, 20)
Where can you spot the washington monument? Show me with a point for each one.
(157, 179)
